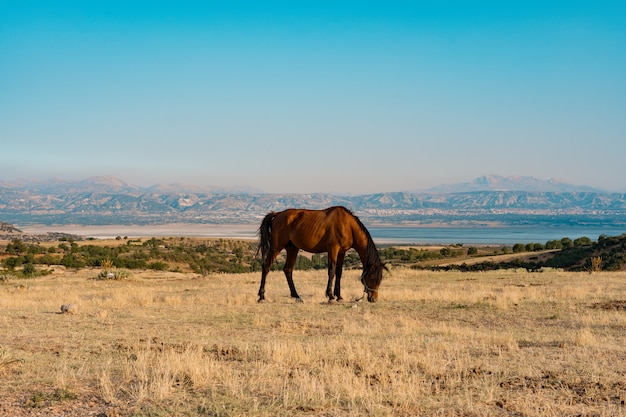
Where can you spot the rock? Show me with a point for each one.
(69, 308)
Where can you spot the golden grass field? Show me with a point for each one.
(505, 343)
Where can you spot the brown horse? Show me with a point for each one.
(334, 230)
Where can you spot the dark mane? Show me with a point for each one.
(371, 255)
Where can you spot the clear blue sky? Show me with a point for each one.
(307, 96)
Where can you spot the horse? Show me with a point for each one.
(334, 230)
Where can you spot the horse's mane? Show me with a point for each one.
(371, 253)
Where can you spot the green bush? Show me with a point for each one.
(115, 274)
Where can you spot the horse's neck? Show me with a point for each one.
(360, 245)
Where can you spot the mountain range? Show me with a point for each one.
(500, 183)
(110, 200)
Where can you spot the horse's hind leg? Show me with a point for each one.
(265, 269)
(262, 287)
(338, 272)
(292, 255)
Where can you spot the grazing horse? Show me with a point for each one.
(334, 230)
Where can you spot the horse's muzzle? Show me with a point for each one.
(372, 296)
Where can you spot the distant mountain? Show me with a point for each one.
(98, 184)
(486, 200)
(500, 183)
(187, 188)
(113, 185)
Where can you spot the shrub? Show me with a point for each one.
(6, 277)
(115, 274)
(596, 264)
(519, 247)
(29, 270)
(158, 266)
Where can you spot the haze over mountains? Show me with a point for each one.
(500, 183)
(111, 184)
(493, 198)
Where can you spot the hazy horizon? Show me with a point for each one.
(340, 97)
(506, 183)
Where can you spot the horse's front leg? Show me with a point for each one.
(338, 272)
(329, 287)
(332, 265)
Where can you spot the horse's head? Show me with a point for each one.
(371, 278)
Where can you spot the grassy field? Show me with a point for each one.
(505, 343)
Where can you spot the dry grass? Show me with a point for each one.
(450, 344)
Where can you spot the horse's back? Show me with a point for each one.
(332, 218)
(315, 230)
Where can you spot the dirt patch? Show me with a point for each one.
(618, 305)
(579, 391)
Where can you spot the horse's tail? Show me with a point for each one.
(265, 238)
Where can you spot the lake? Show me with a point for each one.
(502, 235)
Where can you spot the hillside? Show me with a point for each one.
(108, 200)
(608, 253)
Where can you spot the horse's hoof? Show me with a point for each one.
(339, 299)
(261, 300)
(299, 300)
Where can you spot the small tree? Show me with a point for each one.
(29, 270)
(554, 244)
(16, 247)
(519, 247)
(582, 241)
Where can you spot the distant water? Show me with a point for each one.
(505, 235)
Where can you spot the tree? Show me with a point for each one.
(70, 260)
(13, 262)
(16, 247)
(582, 241)
(29, 270)
(554, 244)
(318, 261)
(519, 247)
(303, 263)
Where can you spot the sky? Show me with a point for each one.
(313, 96)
